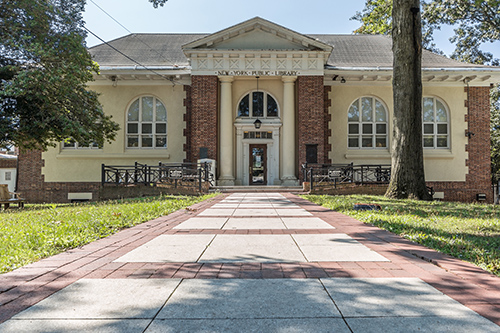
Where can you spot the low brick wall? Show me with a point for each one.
(136, 191)
(346, 189)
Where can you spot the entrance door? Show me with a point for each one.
(258, 165)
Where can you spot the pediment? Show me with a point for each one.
(257, 34)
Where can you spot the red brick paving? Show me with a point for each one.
(464, 282)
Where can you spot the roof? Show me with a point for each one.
(348, 51)
(7, 157)
(376, 51)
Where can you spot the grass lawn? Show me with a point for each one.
(470, 232)
(28, 235)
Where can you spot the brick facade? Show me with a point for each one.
(478, 180)
(10, 163)
(312, 117)
(313, 102)
(187, 119)
(328, 118)
(203, 118)
(32, 185)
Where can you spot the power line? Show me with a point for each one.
(133, 34)
(129, 58)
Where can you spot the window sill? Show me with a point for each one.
(438, 154)
(368, 154)
(135, 154)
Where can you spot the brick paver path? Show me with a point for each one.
(465, 283)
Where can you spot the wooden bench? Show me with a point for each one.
(7, 198)
(15, 199)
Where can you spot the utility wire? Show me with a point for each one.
(129, 58)
(133, 34)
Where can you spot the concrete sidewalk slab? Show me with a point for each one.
(305, 223)
(104, 299)
(203, 223)
(75, 326)
(255, 212)
(391, 297)
(169, 248)
(217, 212)
(292, 212)
(252, 248)
(468, 324)
(303, 325)
(249, 298)
(255, 223)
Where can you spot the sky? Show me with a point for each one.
(209, 16)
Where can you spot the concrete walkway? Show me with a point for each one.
(250, 262)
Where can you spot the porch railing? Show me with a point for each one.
(188, 175)
(335, 174)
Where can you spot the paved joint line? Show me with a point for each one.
(296, 244)
(336, 306)
(206, 247)
(223, 225)
(163, 305)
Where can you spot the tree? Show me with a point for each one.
(44, 70)
(495, 133)
(157, 3)
(407, 170)
(376, 18)
(476, 22)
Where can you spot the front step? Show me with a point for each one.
(235, 189)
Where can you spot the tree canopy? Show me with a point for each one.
(44, 70)
(475, 22)
(157, 3)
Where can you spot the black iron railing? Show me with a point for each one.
(176, 175)
(335, 174)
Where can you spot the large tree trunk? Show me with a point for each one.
(407, 176)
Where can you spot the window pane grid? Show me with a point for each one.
(147, 124)
(258, 104)
(435, 126)
(367, 124)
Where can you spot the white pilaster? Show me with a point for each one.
(226, 163)
(288, 135)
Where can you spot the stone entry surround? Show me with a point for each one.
(253, 262)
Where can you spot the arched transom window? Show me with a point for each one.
(367, 124)
(147, 123)
(258, 104)
(435, 123)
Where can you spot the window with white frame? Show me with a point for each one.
(435, 123)
(258, 104)
(367, 124)
(147, 123)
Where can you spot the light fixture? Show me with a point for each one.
(114, 80)
(342, 80)
(257, 123)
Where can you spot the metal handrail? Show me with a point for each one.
(175, 174)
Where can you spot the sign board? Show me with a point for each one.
(332, 173)
(175, 173)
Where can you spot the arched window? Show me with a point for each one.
(147, 123)
(258, 104)
(435, 123)
(367, 124)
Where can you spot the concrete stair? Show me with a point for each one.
(256, 188)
